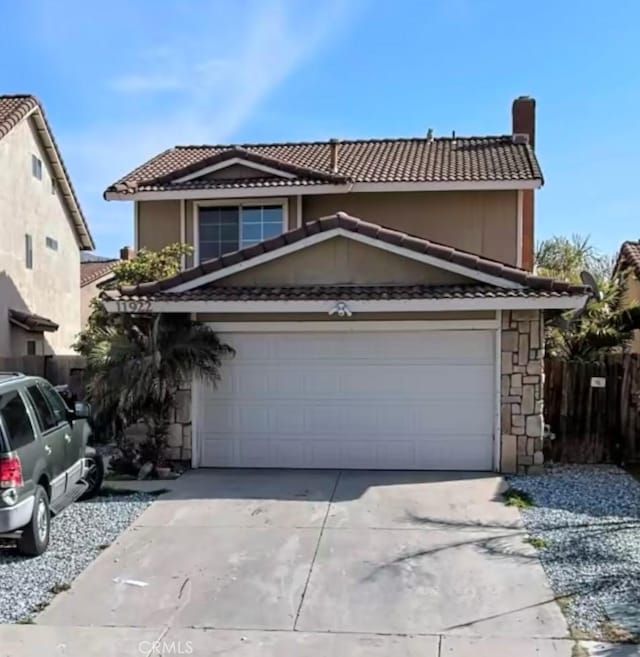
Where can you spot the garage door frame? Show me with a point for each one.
(346, 325)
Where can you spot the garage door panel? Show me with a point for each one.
(421, 399)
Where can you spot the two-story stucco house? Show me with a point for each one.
(42, 231)
(378, 294)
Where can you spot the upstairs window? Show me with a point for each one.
(227, 228)
(36, 167)
(51, 243)
(54, 189)
(28, 251)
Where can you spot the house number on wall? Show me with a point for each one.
(598, 382)
(133, 306)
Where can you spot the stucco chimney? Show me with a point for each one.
(127, 253)
(523, 115)
(334, 146)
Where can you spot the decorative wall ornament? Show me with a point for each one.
(341, 309)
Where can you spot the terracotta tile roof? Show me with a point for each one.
(347, 292)
(31, 321)
(352, 224)
(92, 271)
(13, 109)
(629, 257)
(413, 160)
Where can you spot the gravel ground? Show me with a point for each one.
(78, 535)
(589, 517)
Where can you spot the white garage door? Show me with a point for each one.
(374, 400)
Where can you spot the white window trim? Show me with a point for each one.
(136, 223)
(519, 227)
(234, 160)
(183, 231)
(329, 188)
(239, 203)
(317, 238)
(497, 436)
(356, 306)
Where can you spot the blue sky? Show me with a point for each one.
(123, 79)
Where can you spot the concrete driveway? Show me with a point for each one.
(271, 563)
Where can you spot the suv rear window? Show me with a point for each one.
(44, 413)
(15, 421)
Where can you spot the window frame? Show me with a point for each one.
(4, 432)
(28, 250)
(37, 167)
(283, 202)
(39, 421)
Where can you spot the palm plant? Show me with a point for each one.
(135, 370)
(606, 323)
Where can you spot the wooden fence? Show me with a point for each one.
(57, 369)
(594, 424)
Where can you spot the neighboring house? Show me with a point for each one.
(628, 262)
(377, 293)
(95, 274)
(43, 231)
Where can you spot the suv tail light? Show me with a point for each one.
(10, 472)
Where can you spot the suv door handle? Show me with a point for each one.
(47, 449)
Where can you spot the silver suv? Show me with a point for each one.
(45, 460)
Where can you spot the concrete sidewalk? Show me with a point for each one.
(67, 641)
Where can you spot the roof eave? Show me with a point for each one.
(135, 194)
(81, 226)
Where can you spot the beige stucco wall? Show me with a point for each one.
(481, 222)
(89, 292)
(359, 317)
(158, 224)
(632, 295)
(341, 261)
(27, 205)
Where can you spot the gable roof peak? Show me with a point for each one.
(14, 108)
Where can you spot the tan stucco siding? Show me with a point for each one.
(342, 261)
(158, 224)
(27, 206)
(481, 222)
(632, 295)
(89, 292)
(466, 315)
(234, 172)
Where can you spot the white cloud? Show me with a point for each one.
(199, 85)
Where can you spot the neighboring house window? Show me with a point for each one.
(36, 167)
(51, 243)
(14, 418)
(53, 186)
(28, 251)
(226, 228)
(31, 347)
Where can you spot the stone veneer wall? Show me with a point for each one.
(179, 439)
(522, 390)
(179, 447)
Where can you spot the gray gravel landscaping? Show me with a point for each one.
(78, 535)
(589, 520)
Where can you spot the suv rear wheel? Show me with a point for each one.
(35, 536)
